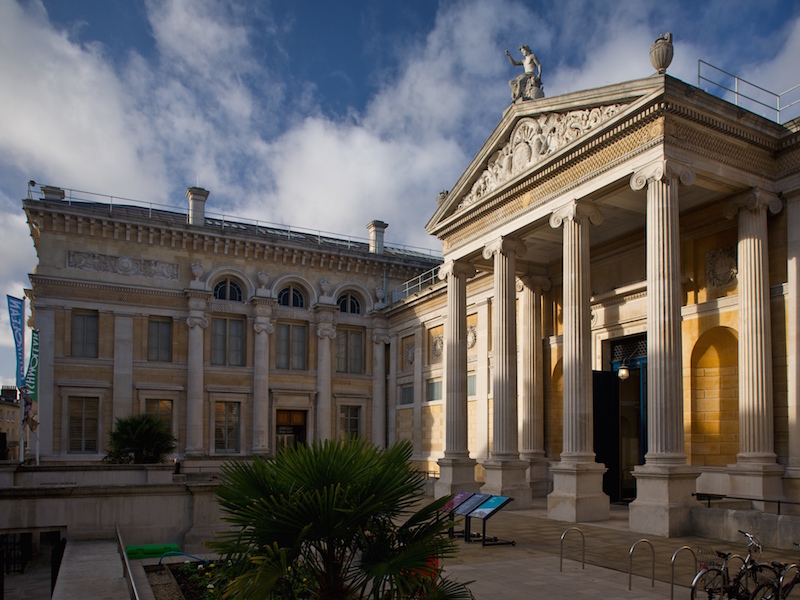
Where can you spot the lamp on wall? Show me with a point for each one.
(623, 372)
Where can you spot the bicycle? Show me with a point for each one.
(778, 590)
(714, 580)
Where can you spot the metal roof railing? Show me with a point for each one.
(749, 95)
(412, 286)
(153, 210)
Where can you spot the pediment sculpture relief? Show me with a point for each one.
(532, 141)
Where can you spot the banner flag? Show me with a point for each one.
(16, 316)
(30, 392)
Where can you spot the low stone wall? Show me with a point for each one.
(775, 531)
(91, 474)
(185, 514)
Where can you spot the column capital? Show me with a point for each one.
(381, 337)
(576, 210)
(326, 330)
(197, 299)
(662, 170)
(535, 282)
(262, 306)
(263, 325)
(195, 321)
(752, 200)
(457, 268)
(504, 245)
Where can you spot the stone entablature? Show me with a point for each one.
(122, 265)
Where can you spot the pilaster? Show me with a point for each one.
(577, 479)
(793, 330)
(380, 337)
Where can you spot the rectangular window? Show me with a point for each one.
(84, 334)
(434, 390)
(407, 394)
(227, 342)
(349, 418)
(291, 347)
(226, 426)
(349, 351)
(159, 340)
(83, 424)
(472, 385)
(161, 409)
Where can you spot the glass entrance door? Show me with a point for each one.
(290, 428)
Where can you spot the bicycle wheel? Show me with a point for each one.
(765, 591)
(708, 584)
(753, 576)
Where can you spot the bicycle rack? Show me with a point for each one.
(630, 562)
(672, 568)
(583, 553)
(782, 577)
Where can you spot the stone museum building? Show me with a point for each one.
(615, 317)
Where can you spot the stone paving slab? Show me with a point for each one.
(91, 569)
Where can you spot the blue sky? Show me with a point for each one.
(318, 114)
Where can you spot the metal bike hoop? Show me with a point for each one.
(672, 568)
(583, 553)
(630, 562)
(783, 576)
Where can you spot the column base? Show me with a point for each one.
(506, 477)
(455, 475)
(577, 492)
(537, 474)
(757, 480)
(663, 499)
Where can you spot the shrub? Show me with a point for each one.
(140, 440)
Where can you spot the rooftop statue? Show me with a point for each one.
(527, 86)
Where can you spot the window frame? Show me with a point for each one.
(228, 404)
(81, 343)
(99, 391)
(401, 392)
(230, 285)
(285, 357)
(295, 296)
(436, 382)
(346, 421)
(346, 355)
(84, 438)
(161, 349)
(226, 340)
(350, 301)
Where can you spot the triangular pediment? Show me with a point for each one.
(532, 134)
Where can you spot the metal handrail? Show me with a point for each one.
(426, 279)
(630, 562)
(126, 566)
(672, 568)
(737, 93)
(714, 497)
(583, 554)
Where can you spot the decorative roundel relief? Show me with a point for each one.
(438, 345)
(410, 354)
(472, 337)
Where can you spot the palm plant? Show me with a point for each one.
(343, 514)
(139, 439)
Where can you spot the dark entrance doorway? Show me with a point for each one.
(290, 428)
(620, 416)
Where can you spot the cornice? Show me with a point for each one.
(54, 287)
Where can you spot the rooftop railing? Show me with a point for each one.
(412, 286)
(780, 108)
(221, 220)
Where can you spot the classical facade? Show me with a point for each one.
(616, 318)
(242, 337)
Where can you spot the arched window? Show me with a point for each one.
(228, 289)
(292, 295)
(349, 303)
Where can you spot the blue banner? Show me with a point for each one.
(16, 316)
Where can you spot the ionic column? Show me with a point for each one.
(263, 328)
(664, 484)
(197, 321)
(664, 356)
(532, 381)
(793, 327)
(380, 337)
(326, 331)
(756, 438)
(578, 442)
(456, 469)
(577, 479)
(505, 472)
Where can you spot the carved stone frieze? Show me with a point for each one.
(532, 141)
(122, 265)
(472, 336)
(409, 354)
(438, 345)
(721, 267)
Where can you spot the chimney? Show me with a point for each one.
(376, 229)
(197, 205)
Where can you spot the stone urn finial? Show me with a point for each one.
(263, 279)
(325, 286)
(661, 53)
(197, 271)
